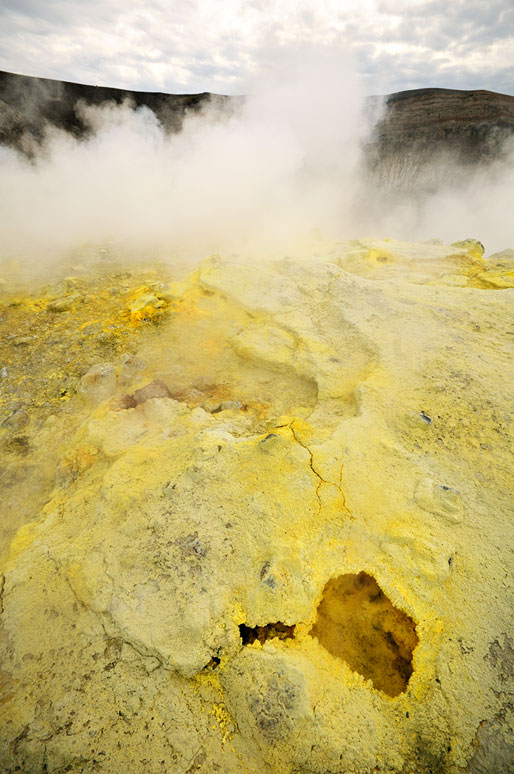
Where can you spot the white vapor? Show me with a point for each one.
(280, 164)
(289, 159)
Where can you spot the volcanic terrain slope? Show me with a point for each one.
(274, 524)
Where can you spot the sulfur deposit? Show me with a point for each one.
(274, 525)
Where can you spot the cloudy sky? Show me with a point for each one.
(218, 45)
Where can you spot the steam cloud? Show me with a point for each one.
(289, 159)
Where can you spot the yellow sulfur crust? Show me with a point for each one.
(283, 542)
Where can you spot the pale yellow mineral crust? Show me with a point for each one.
(285, 544)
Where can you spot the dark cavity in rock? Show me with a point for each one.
(270, 631)
(356, 622)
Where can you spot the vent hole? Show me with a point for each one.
(359, 624)
(270, 631)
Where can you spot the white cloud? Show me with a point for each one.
(194, 45)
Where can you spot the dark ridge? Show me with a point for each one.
(28, 104)
(412, 129)
(431, 91)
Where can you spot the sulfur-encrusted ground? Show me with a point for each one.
(261, 517)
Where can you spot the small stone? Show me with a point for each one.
(3, 372)
(504, 255)
(17, 421)
(19, 444)
(92, 329)
(70, 282)
(211, 405)
(231, 405)
(129, 368)
(64, 304)
(22, 341)
(99, 383)
(473, 247)
(106, 337)
(156, 389)
(193, 395)
(123, 402)
(145, 302)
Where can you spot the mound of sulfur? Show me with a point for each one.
(281, 540)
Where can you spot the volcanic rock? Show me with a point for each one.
(473, 124)
(316, 578)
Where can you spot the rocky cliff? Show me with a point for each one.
(474, 122)
(425, 135)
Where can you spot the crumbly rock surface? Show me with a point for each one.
(278, 536)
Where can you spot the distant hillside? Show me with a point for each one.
(423, 126)
(27, 104)
(416, 126)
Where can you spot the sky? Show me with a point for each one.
(188, 46)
